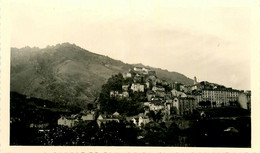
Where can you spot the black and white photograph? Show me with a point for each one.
(129, 73)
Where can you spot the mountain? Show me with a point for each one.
(67, 73)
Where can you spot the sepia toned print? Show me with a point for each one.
(129, 73)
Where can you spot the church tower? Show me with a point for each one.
(195, 80)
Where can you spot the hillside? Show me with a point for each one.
(67, 73)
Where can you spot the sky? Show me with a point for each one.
(211, 42)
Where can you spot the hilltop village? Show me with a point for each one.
(170, 100)
(136, 108)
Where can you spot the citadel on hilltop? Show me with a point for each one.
(145, 80)
(171, 99)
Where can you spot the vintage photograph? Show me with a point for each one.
(147, 73)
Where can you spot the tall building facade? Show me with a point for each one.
(221, 97)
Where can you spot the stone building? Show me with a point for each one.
(67, 121)
(137, 87)
(184, 105)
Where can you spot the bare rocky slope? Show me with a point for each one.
(67, 73)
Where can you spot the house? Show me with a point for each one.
(114, 93)
(104, 120)
(157, 100)
(182, 88)
(125, 94)
(138, 69)
(183, 95)
(159, 91)
(158, 88)
(134, 120)
(127, 75)
(176, 93)
(160, 94)
(67, 121)
(39, 125)
(137, 87)
(145, 71)
(169, 100)
(141, 70)
(116, 114)
(125, 87)
(140, 119)
(150, 94)
(143, 120)
(244, 100)
(147, 103)
(88, 117)
(155, 107)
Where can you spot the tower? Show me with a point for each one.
(195, 80)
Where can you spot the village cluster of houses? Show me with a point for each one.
(74, 119)
(161, 96)
(157, 92)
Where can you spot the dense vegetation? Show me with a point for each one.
(211, 133)
(127, 106)
(26, 111)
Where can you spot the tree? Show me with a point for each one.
(90, 106)
(155, 116)
(114, 83)
(208, 103)
(172, 136)
(75, 109)
(116, 134)
(127, 106)
(214, 104)
(202, 103)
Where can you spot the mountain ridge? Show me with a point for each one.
(68, 73)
